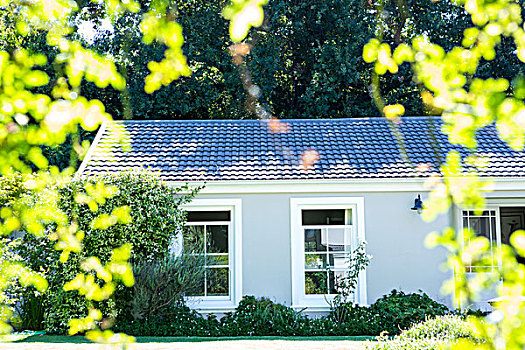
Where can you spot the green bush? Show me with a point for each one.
(156, 217)
(262, 317)
(446, 327)
(434, 333)
(162, 283)
(353, 319)
(32, 312)
(398, 311)
(177, 320)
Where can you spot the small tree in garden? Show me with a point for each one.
(345, 285)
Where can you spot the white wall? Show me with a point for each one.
(395, 236)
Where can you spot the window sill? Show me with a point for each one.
(219, 305)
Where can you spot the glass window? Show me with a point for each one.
(207, 233)
(327, 249)
(483, 225)
(323, 217)
(202, 216)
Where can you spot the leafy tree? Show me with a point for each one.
(305, 58)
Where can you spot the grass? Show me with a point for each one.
(81, 340)
(18, 336)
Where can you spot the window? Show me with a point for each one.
(483, 224)
(327, 235)
(213, 230)
(325, 231)
(496, 223)
(207, 233)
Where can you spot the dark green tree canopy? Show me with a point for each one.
(306, 59)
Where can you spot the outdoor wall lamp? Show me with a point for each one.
(418, 204)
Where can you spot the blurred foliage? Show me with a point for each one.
(455, 81)
(433, 333)
(463, 62)
(43, 67)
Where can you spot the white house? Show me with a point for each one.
(285, 200)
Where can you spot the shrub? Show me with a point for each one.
(263, 317)
(445, 327)
(162, 283)
(156, 218)
(353, 319)
(398, 311)
(434, 333)
(32, 312)
(177, 320)
(259, 317)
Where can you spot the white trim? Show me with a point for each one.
(91, 149)
(319, 303)
(223, 304)
(340, 185)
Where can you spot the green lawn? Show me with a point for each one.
(54, 342)
(81, 340)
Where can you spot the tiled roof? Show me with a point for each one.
(213, 150)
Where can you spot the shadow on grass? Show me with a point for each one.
(82, 340)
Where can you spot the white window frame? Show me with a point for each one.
(300, 299)
(492, 204)
(223, 303)
(497, 233)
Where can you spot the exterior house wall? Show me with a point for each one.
(394, 233)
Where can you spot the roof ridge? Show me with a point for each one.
(419, 117)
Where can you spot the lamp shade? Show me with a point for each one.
(418, 204)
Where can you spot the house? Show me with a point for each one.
(284, 199)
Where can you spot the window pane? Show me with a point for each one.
(482, 269)
(217, 281)
(313, 240)
(334, 281)
(217, 238)
(482, 213)
(198, 289)
(481, 225)
(315, 261)
(198, 216)
(216, 260)
(193, 237)
(324, 217)
(175, 246)
(315, 282)
(338, 260)
(335, 239)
